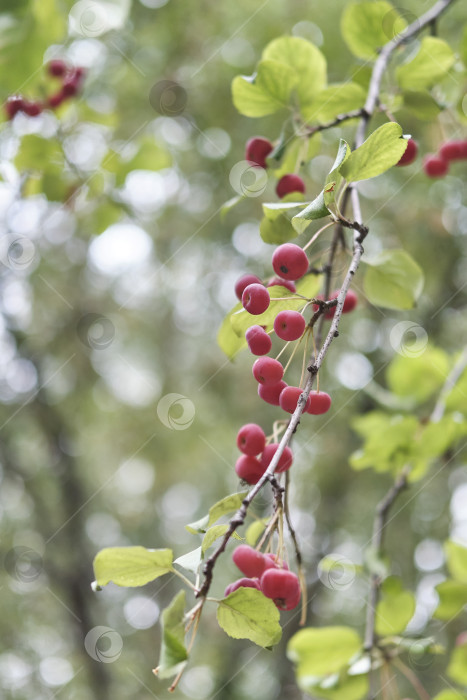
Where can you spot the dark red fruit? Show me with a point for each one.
(350, 302)
(282, 586)
(249, 469)
(251, 439)
(56, 100)
(272, 562)
(320, 402)
(243, 283)
(290, 261)
(289, 325)
(13, 105)
(32, 109)
(435, 167)
(409, 154)
(452, 150)
(255, 299)
(242, 583)
(289, 183)
(285, 460)
(57, 68)
(268, 371)
(271, 392)
(257, 149)
(289, 398)
(276, 281)
(258, 340)
(248, 560)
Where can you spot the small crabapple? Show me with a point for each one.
(288, 284)
(257, 149)
(251, 439)
(285, 460)
(290, 261)
(32, 109)
(249, 469)
(409, 154)
(273, 562)
(242, 583)
(243, 282)
(255, 299)
(250, 562)
(13, 105)
(289, 183)
(288, 399)
(320, 402)
(434, 166)
(289, 325)
(282, 586)
(271, 392)
(266, 370)
(258, 340)
(57, 68)
(451, 150)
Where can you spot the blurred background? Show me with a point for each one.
(118, 412)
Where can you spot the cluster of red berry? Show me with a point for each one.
(268, 574)
(257, 454)
(436, 165)
(256, 152)
(71, 82)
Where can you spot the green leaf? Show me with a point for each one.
(278, 230)
(343, 687)
(229, 342)
(419, 376)
(255, 530)
(456, 556)
(452, 599)
(382, 149)
(191, 560)
(242, 320)
(173, 655)
(388, 441)
(395, 609)
(306, 62)
(248, 614)
(433, 60)
(421, 104)
(320, 651)
(131, 566)
(274, 210)
(105, 215)
(367, 26)
(214, 533)
(296, 150)
(37, 153)
(334, 178)
(450, 695)
(455, 400)
(457, 669)
(226, 505)
(266, 91)
(393, 280)
(230, 204)
(334, 100)
(317, 209)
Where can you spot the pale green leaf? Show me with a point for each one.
(214, 533)
(255, 530)
(395, 608)
(265, 92)
(191, 560)
(419, 376)
(382, 149)
(421, 104)
(393, 280)
(337, 687)
(457, 669)
(450, 695)
(173, 654)
(456, 556)
(248, 614)
(320, 651)
(452, 599)
(131, 566)
(367, 26)
(334, 100)
(225, 506)
(277, 230)
(434, 58)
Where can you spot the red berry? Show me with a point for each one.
(289, 398)
(72, 82)
(32, 109)
(288, 184)
(289, 325)
(242, 583)
(251, 439)
(57, 68)
(249, 469)
(56, 100)
(320, 402)
(255, 299)
(350, 302)
(285, 460)
(268, 371)
(463, 148)
(243, 282)
(451, 150)
(272, 562)
(289, 261)
(282, 586)
(258, 340)
(271, 392)
(248, 560)
(409, 154)
(435, 167)
(257, 149)
(276, 281)
(13, 105)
